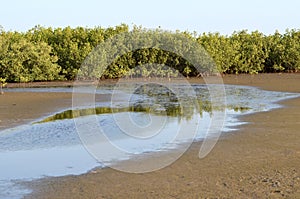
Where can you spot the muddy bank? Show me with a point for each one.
(21, 108)
(261, 160)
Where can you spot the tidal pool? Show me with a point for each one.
(51, 146)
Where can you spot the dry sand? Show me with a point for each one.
(261, 160)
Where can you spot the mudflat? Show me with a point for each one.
(23, 107)
(260, 160)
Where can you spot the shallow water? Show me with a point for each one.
(53, 147)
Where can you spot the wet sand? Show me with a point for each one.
(261, 160)
(20, 108)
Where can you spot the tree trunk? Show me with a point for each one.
(1, 91)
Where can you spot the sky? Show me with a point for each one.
(224, 16)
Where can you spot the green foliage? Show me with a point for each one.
(22, 60)
(45, 54)
(240, 53)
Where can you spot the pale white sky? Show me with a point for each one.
(222, 16)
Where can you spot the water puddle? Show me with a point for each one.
(51, 146)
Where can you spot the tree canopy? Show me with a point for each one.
(46, 54)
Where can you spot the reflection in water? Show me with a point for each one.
(52, 147)
(173, 110)
(158, 100)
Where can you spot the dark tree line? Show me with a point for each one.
(46, 54)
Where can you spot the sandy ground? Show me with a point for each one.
(261, 160)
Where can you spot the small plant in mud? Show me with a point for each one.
(2, 84)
